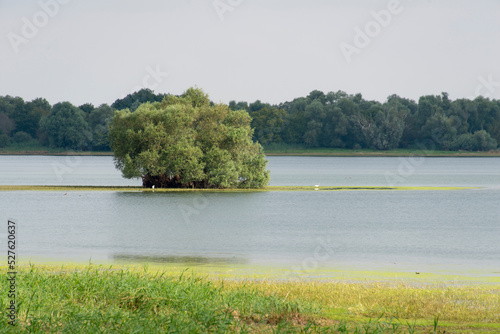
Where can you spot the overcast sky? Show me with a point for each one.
(274, 50)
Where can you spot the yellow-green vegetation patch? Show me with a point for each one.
(66, 188)
(158, 299)
(268, 188)
(358, 188)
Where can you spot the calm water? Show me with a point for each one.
(414, 230)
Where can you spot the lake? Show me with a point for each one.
(434, 231)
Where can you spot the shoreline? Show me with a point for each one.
(285, 273)
(302, 152)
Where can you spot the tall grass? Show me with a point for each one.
(96, 299)
(478, 304)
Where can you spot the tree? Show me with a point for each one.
(28, 120)
(132, 101)
(384, 131)
(99, 120)
(464, 142)
(188, 142)
(22, 137)
(4, 140)
(13, 108)
(7, 125)
(483, 141)
(238, 106)
(439, 130)
(87, 108)
(66, 127)
(268, 124)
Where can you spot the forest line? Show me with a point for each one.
(318, 120)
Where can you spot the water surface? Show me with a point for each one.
(451, 231)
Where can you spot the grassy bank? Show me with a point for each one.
(337, 152)
(95, 299)
(269, 188)
(34, 148)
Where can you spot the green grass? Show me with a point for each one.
(302, 151)
(34, 148)
(106, 299)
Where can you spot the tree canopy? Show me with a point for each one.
(186, 141)
(318, 120)
(66, 127)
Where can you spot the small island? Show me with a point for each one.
(187, 142)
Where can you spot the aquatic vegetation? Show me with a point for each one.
(268, 188)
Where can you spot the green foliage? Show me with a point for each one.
(21, 137)
(439, 130)
(87, 108)
(187, 142)
(4, 140)
(479, 141)
(132, 101)
(28, 119)
(99, 120)
(483, 141)
(269, 122)
(66, 127)
(383, 131)
(464, 142)
(108, 300)
(7, 125)
(318, 120)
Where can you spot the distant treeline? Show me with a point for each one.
(332, 120)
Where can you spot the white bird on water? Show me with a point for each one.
(316, 186)
(153, 187)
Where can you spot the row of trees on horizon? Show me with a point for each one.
(319, 120)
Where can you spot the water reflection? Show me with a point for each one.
(180, 259)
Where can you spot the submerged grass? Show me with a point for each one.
(96, 299)
(269, 188)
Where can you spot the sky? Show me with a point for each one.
(95, 51)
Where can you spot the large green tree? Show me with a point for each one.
(187, 141)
